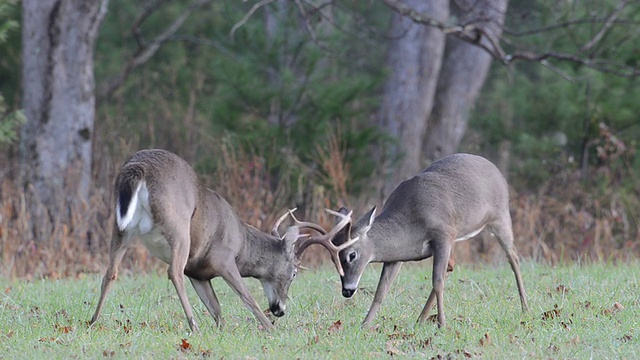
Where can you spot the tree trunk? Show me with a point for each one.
(414, 59)
(58, 38)
(463, 73)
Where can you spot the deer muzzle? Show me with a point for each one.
(348, 292)
(276, 309)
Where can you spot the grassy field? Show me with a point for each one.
(577, 312)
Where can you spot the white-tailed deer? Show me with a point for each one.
(451, 200)
(193, 229)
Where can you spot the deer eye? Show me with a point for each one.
(352, 256)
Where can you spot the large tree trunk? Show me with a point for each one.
(414, 59)
(58, 38)
(463, 73)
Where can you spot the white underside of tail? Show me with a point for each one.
(138, 221)
(138, 206)
(470, 235)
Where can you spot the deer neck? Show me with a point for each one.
(393, 240)
(260, 253)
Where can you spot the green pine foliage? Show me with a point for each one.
(9, 119)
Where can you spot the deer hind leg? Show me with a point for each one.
(442, 252)
(387, 276)
(208, 296)
(503, 232)
(117, 251)
(180, 243)
(231, 275)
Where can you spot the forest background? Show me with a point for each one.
(313, 104)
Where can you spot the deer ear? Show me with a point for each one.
(370, 217)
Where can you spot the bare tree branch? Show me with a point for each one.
(146, 51)
(148, 8)
(248, 15)
(607, 25)
(472, 33)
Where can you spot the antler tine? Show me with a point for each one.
(308, 225)
(325, 240)
(274, 230)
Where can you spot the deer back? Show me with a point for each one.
(455, 194)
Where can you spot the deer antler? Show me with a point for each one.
(325, 238)
(274, 230)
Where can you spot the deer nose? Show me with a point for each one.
(276, 310)
(348, 292)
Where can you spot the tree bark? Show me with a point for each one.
(414, 59)
(462, 76)
(58, 38)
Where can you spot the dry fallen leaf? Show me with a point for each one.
(63, 329)
(184, 346)
(551, 314)
(391, 349)
(626, 338)
(485, 340)
(335, 327)
(108, 353)
(10, 334)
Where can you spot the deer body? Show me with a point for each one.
(193, 229)
(452, 200)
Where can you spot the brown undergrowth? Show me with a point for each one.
(563, 221)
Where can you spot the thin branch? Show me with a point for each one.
(307, 22)
(563, 25)
(248, 15)
(149, 8)
(607, 25)
(473, 34)
(145, 52)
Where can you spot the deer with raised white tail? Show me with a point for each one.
(453, 199)
(160, 201)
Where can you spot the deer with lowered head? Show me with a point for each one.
(453, 199)
(160, 201)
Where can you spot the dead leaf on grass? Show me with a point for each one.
(184, 346)
(108, 353)
(63, 329)
(9, 334)
(426, 343)
(626, 338)
(563, 289)
(551, 314)
(314, 340)
(485, 340)
(614, 309)
(335, 327)
(391, 348)
(7, 290)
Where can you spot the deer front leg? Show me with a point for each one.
(118, 249)
(389, 273)
(441, 255)
(208, 296)
(232, 276)
(432, 295)
(179, 257)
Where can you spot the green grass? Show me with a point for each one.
(143, 318)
